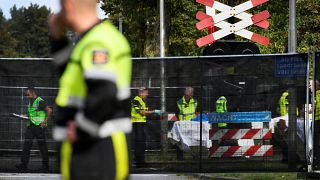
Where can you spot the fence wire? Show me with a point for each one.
(258, 137)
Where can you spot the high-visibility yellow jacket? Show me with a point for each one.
(36, 116)
(95, 81)
(187, 110)
(283, 104)
(317, 115)
(137, 105)
(221, 107)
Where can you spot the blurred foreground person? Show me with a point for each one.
(316, 134)
(93, 107)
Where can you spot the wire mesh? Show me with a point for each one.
(252, 86)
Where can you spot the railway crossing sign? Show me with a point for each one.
(210, 19)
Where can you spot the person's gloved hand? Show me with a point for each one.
(158, 112)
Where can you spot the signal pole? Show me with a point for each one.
(292, 37)
(162, 55)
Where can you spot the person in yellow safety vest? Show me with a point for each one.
(139, 113)
(93, 100)
(38, 114)
(281, 127)
(187, 106)
(316, 133)
(283, 103)
(221, 107)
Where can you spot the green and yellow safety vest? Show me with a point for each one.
(221, 107)
(283, 104)
(136, 117)
(187, 110)
(317, 115)
(36, 116)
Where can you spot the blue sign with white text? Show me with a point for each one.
(290, 66)
(239, 117)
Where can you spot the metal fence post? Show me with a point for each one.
(164, 133)
(21, 123)
(201, 109)
(308, 152)
(292, 39)
(292, 128)
(313, 97)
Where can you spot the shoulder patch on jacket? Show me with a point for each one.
(100, 57)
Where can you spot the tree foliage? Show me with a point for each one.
(308, 24)
(7, 42)
(142, 25)
(26, 34)
(278, 29)
(142, 19)
(182, 33)
(29, 26)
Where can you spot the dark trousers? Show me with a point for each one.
(280, 139)
(316, 142)
(39, 133)
(98, 159)
(139, 141)
(179, 153)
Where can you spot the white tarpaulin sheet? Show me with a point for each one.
(187, 133)
(300, 126)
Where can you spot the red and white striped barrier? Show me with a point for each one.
(218, 20)
(239, 151)
(226, 134)
(172, 117)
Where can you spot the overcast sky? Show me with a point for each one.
(54, 5)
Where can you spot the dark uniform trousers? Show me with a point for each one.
(37, 132)
(96, 158)
(139, 143)
(316, 142)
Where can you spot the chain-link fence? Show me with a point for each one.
(16, 76)
(257, 135)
